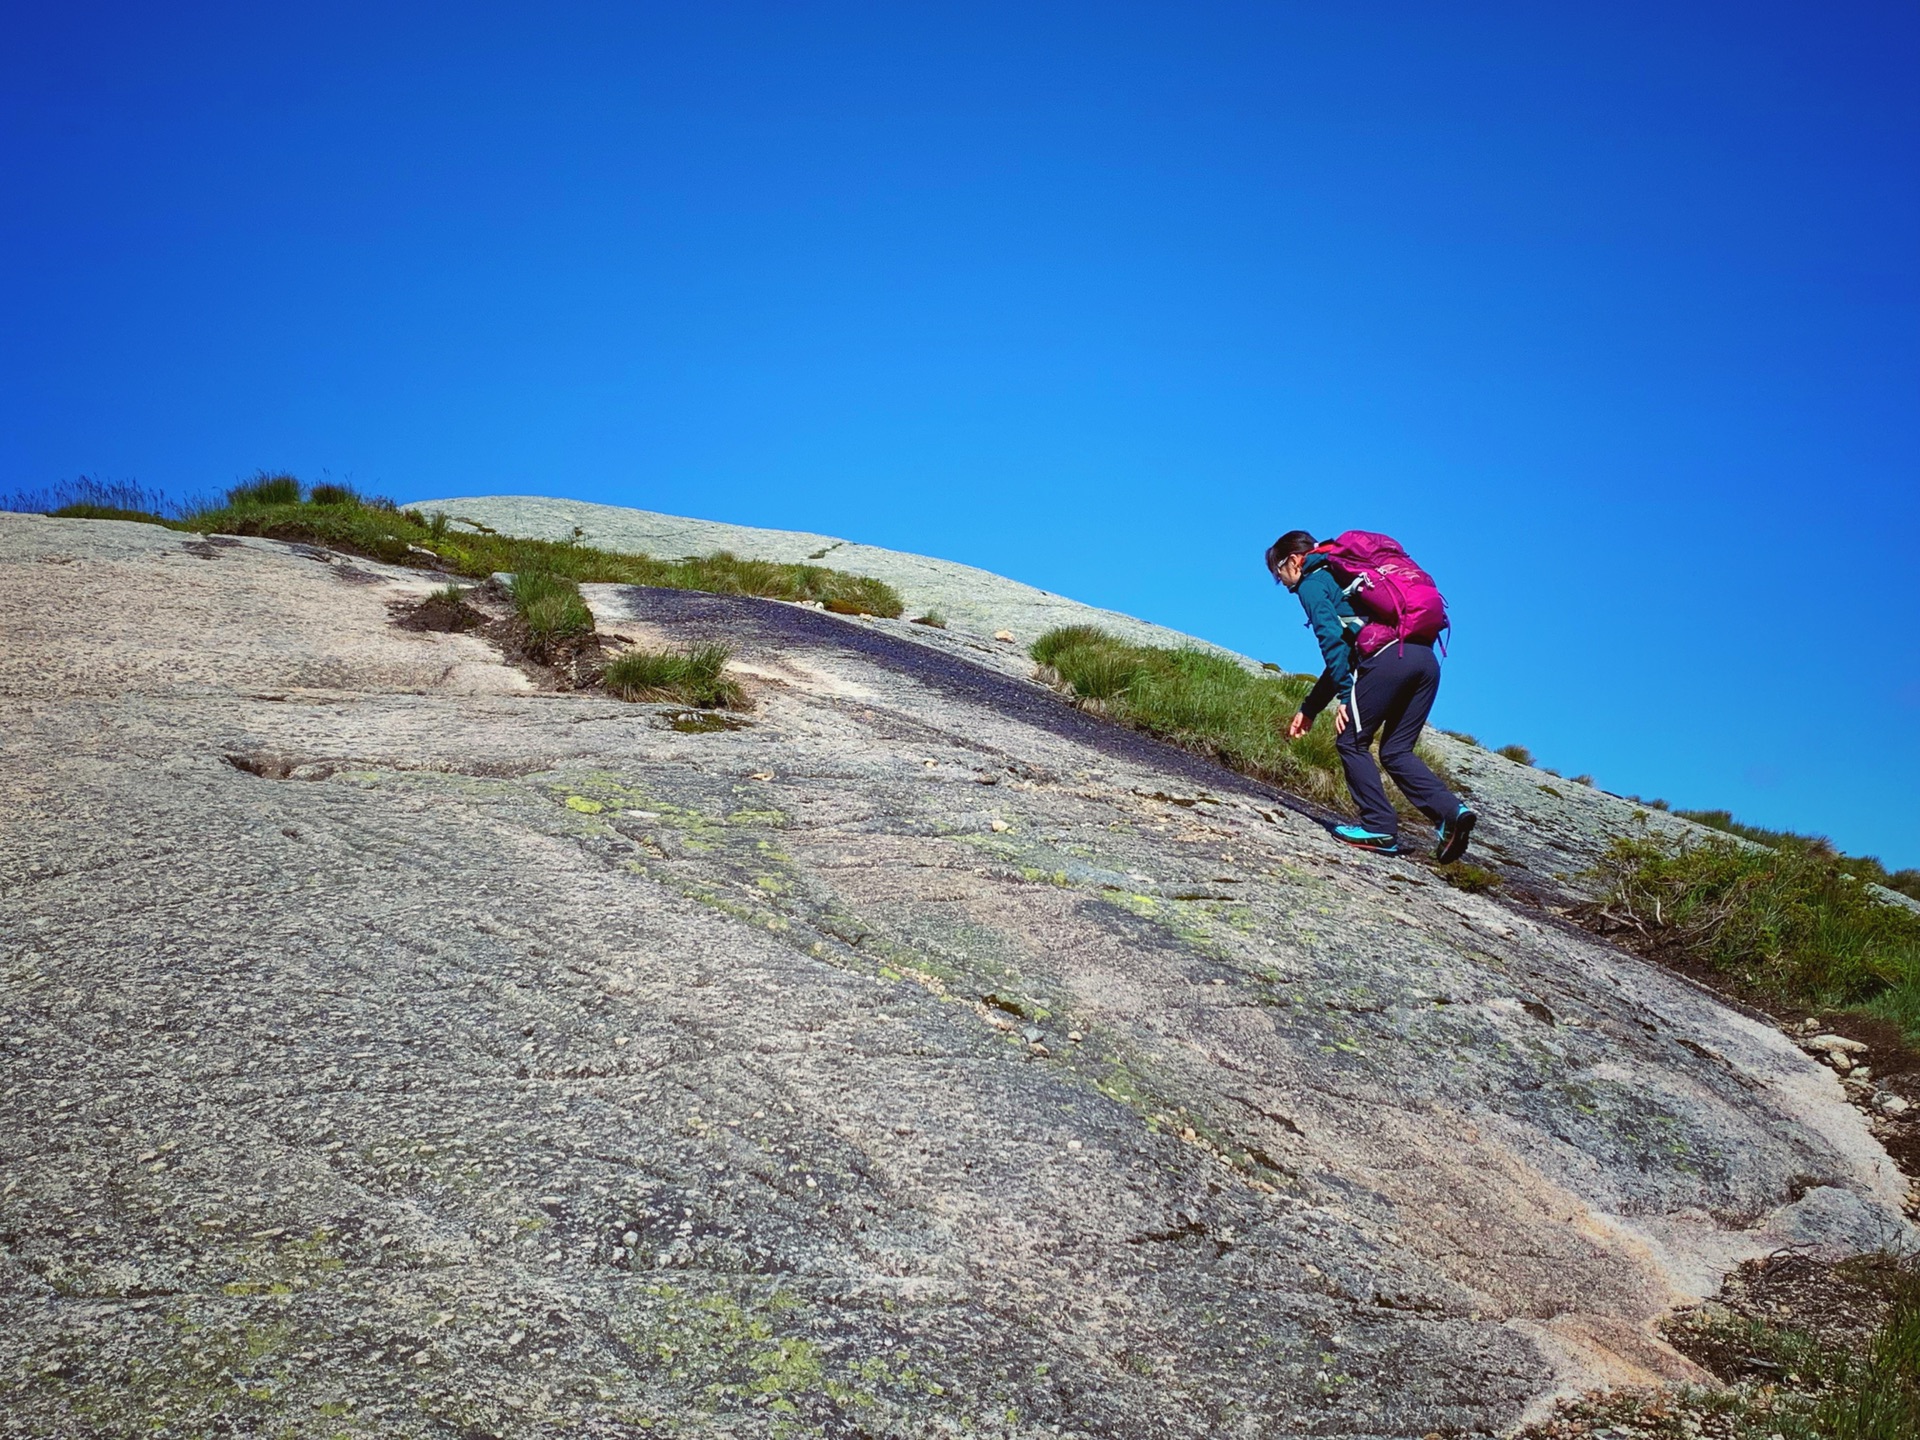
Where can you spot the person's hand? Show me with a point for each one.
(1298, 726)
(1339, 719)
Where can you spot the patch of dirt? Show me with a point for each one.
(1776, 1324)
(564, 662)
(438, 615)
(570, 662)
(1838, 1306)
(1888, 1051)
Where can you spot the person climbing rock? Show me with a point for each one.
(1377, 616)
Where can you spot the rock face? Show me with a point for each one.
(1558, 828)
(390, 1049)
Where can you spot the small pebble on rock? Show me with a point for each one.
(1836, 1042)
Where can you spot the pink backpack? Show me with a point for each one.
(1397, 599)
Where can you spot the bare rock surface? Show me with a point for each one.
(390, 1049)
(1552, 831)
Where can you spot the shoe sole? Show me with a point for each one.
(1455, 845)
(1370, 849)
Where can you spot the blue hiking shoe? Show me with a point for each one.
(1454, 835)
(1367, 839)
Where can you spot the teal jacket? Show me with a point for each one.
(1336, 627)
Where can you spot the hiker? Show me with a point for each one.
(1377, 616)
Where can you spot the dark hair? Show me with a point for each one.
(1294, 542)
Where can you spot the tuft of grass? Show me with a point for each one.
(1861, 867)
(450, 594)
(89, 499)
(1789, 925)
(330, 494)
(264, 489)
(1878, 1398)
(1464, 738)
(551, 606)
(1519, 754)
(1202, 702)
(932, 618)
(1464, 875)
(694, 677)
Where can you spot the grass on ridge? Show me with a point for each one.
(1787, 925)
(1203, 702)
(369, 527)
(84, 511)
(694, 677)
(272, 505)
(1861, 867)
(87, 499)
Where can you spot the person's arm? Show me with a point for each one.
(1323, 691)
(1319, 595)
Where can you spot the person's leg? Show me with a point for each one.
(1372, 695)
(1418, 673)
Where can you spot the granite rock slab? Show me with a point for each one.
(390, 1048)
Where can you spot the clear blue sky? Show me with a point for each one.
(1609, 312)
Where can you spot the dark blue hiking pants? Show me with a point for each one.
(1392, 693)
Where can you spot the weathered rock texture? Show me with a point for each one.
(1558, 828)
(392, 1050)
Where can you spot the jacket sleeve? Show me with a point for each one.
(1319, 597)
